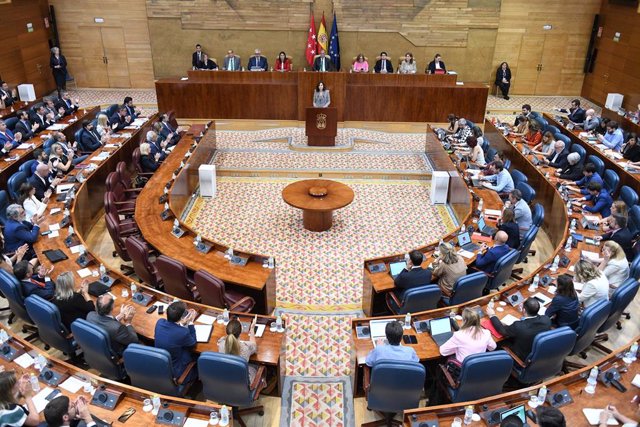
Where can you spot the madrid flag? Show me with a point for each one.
(310, 51)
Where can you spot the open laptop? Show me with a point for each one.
(440, 330)
(518, 411)
(464, 241)
(376, 329)
(396, 268)
(484, 228)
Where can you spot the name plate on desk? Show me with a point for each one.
(169, 417)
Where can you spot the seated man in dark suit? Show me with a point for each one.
(40, 181)
(89, 138)
(383, 65)
(522, 332)
(7, 139)
(132, 111)
(168, 133)
(413, 274)
(118, 327)
(620, 233)
(18, 231)
(24, 126)
(53, 111)
(6, 96)
(61, 412)
(70, 106)
(120, 119)
(155, 146)
(33, 284)
(323, 63)
(576, 114)
(257, 62)
(558, 158)
(40, 118)
(177, 335)
(487, 259)
(601, 200)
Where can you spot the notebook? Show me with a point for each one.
(203, 332)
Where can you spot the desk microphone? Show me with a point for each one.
(6, 349)
(611, 378)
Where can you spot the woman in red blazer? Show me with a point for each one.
(283, 63)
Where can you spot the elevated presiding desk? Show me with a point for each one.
(285, 96)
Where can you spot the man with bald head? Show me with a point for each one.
(487, 258)
(40, 181)
(257, 62)
(118, 327)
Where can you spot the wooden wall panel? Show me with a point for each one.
(131, 16)
(617, 64)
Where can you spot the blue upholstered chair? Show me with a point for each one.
(620, 300)
(552, 129)
(592, 318)
(26, 167)
(392, 387)
(635, 268)
(11, 290)
(597, 162)
(518, 177)
(481, 375)
(4, 203)
(467, 288)
(111, 110)
(629, 196)
(525, 247)
(150, 368)
(11, 123)
(547, 355)
(634, 220)
(51, 331)
(96, 346)
(577, 148)
(611, 181)
(564, 138)
(537, 215)
(416, 299)
(502, 270)
(528, 193)
(14, 183)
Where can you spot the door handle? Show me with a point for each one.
(106, 60)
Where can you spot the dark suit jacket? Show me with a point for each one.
(178, 341)
(572, 172)
(43, 289)
(41, 121)
(89, 141)
(624, 238)
(328, 65)
(69, 107)
(74, 308)
(9, 100)
(561, 161)
(412, 278)
(578, 115)
(121, 336)
(194, 59)
(155, 148)
(18, 233)
(131, 111)
(487, 261)
(512, 230)
(388, 66)
(24, 129)
(40, 186)
(506, 74)
(209, 65)
(523, 333)
(119, 120)
(431, 68)
(148, 163)
(257, 62)
(7, 137)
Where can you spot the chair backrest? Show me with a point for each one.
(112, 181)
(150, 368)
(620, 300)
(597, 162)
(210, 288)
(420, 298)
(528, 193)
(634, 270)
(590, 321)
(395, 386)
(507, 164)
(96, 348)
(4, 204)
(51, 331)
(12, 291)
(611, 180)
(174, 277)
(518, 177)
(111, 110)
(634, 220)
(136, 160)
(552, 129)
(547, 355)
(482, 375)
(537, 216)
(491, 153)
(629, 196)
(577, 148)
(26, 167)
(11, 123)
(77, 136)
(564, 138)
(502, 269)
(468, 287)
(225, 378)
(139, 253)
(543, 122)
(14, 183)
(526, 242)
(123, 174)
(113, 227)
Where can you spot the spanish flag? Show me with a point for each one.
(323, 38)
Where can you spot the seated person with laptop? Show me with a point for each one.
(524, 331)
(601, 199)
(464, 241)
(487, 259)
(501, 181)
(393, 350)
(412, 275)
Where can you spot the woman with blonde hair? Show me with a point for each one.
(595, 285)
(614, 264)
(71, 304)
(103, 125)
(470, 339)
(232, 344)
(12, 391)
(449, 268)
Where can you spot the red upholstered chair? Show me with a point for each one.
(175, 278)
(125, 177)
(118, 233)
(125, 198)
(142, 265)
(137, 165)
(212, 292)
(111, 205)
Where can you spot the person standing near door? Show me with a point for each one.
(58, 64)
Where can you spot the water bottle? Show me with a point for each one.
(534, 284)
(225, 316)
(468, 415)
(66, 212)
(463, 228)
(407, 321)
(574, 224)
(556, 261)
(592, 381)
(279, 327)
(35, 385)
(224, 416)
(176, 224)
(103, 271)
(166, 206)
(634, 351)
(70, 231)
(271, 263)
(480, 205)
(542, 394)
(4, 337)
(492, 303)
(134, 288)
(155, 401)
(568, 245)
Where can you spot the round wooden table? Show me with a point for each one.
(317, 198)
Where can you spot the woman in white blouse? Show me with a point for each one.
(595, 285)
(614, 264)
(408, 65)
(103, 125)
(32, 206)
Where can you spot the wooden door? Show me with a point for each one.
(550, 77)
(526, 78)
(94, 67)
(116, 57)
(34, 49)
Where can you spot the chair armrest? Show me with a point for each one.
(257, 380)
(473, 267)
(144, 173)
(448, 377)
(186, 372)
(239, 303)
(130, 233)
(515, 358)
(123, 203)
(395, 299)
(366, 378)
(133, 190)
(128, 222)
(126, 211)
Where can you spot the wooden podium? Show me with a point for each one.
(321, 126)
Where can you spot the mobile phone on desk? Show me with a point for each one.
(160, 309)
(126, 415)
(44, 233)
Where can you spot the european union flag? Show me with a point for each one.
(334, 44)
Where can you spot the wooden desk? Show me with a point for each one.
(357, 96)
(624, 122)
(131, 396)
(7, 113)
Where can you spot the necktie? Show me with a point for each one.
(322, 64)
(231, 67)
(384, 65)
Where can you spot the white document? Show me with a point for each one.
(591, 256)
(466, 254)
(509, 319)
(61, 188)
(57, 126)
(593, 417)
(54, 227)
(545, 299)
(76, 249)
(493, 212)
(260, 330)
(85, 272)
(24, 146)
(53, 234)
(39, 400)
(54, 211)
(192, 422)
(206, 319)
(203, 332)
(72, 384)
(24, 360)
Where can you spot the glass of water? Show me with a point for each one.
(213, 418)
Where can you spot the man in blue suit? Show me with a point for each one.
(7, 138)
(155, 145)
(34, 284)
(257, 62)
(177, 335)
(167, 131)
(18, 231)
(487, 259)
(601, 199)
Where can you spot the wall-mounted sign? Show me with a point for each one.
(98, 20)
(30, 27)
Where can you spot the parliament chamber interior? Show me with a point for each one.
(320, 213)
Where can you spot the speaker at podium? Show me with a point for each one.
(207, 175)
